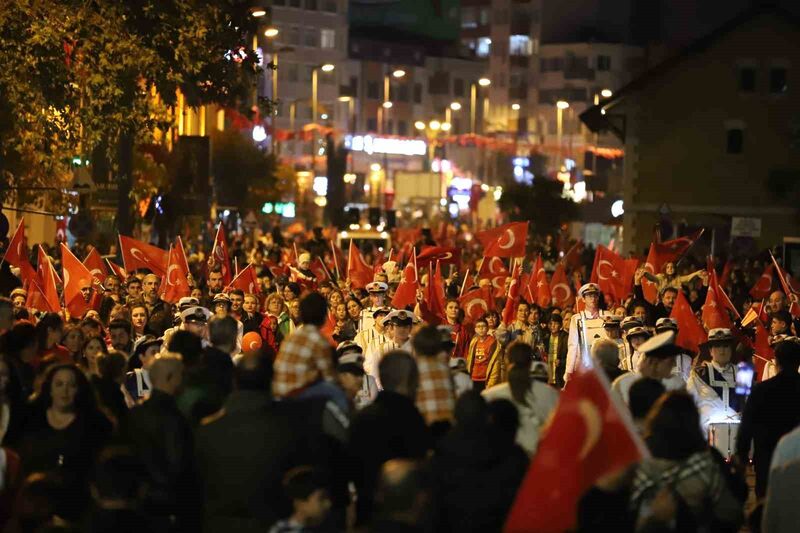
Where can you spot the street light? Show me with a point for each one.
(515, 107)
(399, 73)
(419, 125)
(435, 125)
(258, 12)
(386, 105)
(561, 105)
(271, 32)
(446, 126)
(455, 106)
(327, 67)
(473, 101)
(606, 93)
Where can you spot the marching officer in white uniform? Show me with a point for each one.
(371, 339)
(626, 353)
(592, 318)
(377, 297)
(683, 361)
(713, 383)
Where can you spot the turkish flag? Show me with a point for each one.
(17, 254)
(406, 293)
(715, 314)
(407, 235)
(117, 270)
(763, 286)
(138, 254)
(493, 269)
(514, 290)
(560, 291)
(507, 240)
(589, 437)
(76, 276)
(538, 288)
(443, 254)
(42, 290)
(181, 254)
(358, 271)
(219, 254)
(246, 281)
(432, 305)
(319, 270)
(608, 272)
(725, 278)
(690, 332)
(276, 269)
(788, 290)
(476, 303)
(631, 265)
(175, 284)
(572, 258)
(94, 262)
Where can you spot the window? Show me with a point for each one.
(417, 93)
(458, 87)
(331, 6)
(373, 90)
(327, 38)
(520, 45)
(402, 127)
(777, 80)
(551, 64)
(483, 16)
(735, 141)
(353, 85)
(308, 73)
(294, 35)
(310, 37)
(747, 79)
(312, 4)
(372, 124)
(484, 47)
(291, 71)
(603, 62)
(400, 92)
(469, 17)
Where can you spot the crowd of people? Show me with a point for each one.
(314, 404)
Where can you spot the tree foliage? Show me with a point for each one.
(541, 203)
(244, 175)
(79, 75)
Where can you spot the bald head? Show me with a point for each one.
(166, 373)
(776, 302)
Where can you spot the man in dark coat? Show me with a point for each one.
(389, 428)
(772, 410)
(242, 453)
(162, 439)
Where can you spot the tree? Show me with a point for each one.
(95, 77)
(244, 176)
(541, 203)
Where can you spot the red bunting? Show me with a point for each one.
(443, 254)
(246, 281)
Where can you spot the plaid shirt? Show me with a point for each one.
(435, 398)
(304, 357)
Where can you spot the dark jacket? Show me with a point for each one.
(772, 410)
(251, 322)
(162, 438)
(389, 428)
(476, 480)
(242, 454)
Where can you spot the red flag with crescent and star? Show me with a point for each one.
(76, 276)
(433, 302)
(219, 254)
(246, 281)
(17, 254)
(608, 272)
(493, 269)
(690, 332)
(588, 437)
(42, 290)
(763, 285)
(560, 291)
(175, 284)
(94, 262)
(443, 254)
(715, 314)
(507, 240)
(476, 303)
(537, 288)
(514, 291)
(358, 271)
(406, 293)
(138, 254)
(762, 348)
(117, 270)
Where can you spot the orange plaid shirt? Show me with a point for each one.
(304, 357)
(435, 397)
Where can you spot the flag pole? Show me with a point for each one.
(335, 260)
(235, 266)
(686, 252)
(414, 257)
(464, 283)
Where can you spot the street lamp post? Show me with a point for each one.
(327, 67)
(561, 105)
(473, 101)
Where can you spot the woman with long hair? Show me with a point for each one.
(72, 339)
(91, 350)
(139, 318)
(49, 331)
(63, 435)
(534, 400)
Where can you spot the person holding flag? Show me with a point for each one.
(584, 328)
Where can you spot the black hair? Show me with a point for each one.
(47, 322)
(520, 355)
(313, 309)
(189, 345)
(555, 317)
(396, 369)
(427, 342)
(301, 482)
(643, 395)
(787, 355)
(238, 292)
(253, 372)
(121, 323)
(672, 427)
(85, 403)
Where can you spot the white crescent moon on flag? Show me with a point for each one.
(498, 282)
(650, 268)
(493, 262)
(562, 286)
(594, 426)
(475, 301)
(511, 240)
(600, 269)
(446, 256)
(169, 274)
(97, 273)
(137, 253)
(250, 288)
(19, 249)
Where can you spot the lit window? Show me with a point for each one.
(484, 47)
(327, 38)
(520, 45)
